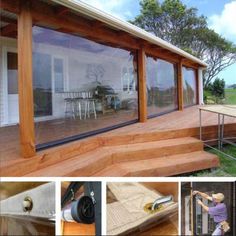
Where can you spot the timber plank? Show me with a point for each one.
(89, 163)
(165, 166)
(148, 150)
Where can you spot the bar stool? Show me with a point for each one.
(89, 103)
(69, 107)
(77, 100)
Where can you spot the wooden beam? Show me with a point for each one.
(8, 20)
(142, 85)
(161, 53)
(8, 29)
(43, 13)
(11, 6)
(25, 75)
(98, 24)
(61, 10)
(180, 86)
(189, 63)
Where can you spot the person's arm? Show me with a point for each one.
(206, 208)
(204, 195)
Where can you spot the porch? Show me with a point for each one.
(91, 155)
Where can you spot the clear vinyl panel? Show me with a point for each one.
(189, 86)
(80, 86)
(161, 86)
(9, 99)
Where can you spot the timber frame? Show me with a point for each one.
(63, 19)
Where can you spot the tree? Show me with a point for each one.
(218, 88)
(219, 54)
(174, 22)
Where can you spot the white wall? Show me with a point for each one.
(200, 87)
(11, 44)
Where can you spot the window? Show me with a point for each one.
(189, 87)
(128, 78)
(12, 73)
(161, 86)
(58, 75)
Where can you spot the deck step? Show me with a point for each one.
(83, 165)
(163, 166)
(155, 149)
(93, 162)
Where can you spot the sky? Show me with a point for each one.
(221, 17)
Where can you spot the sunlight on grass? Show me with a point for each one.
(230, 96)
(227, 166)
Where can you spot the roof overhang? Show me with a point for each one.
(117, 23)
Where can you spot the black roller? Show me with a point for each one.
(82, 210)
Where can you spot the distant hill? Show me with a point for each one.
(233, 86)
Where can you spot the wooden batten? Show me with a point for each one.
(180, 86)
(26, 112)
(142, 85)
(11, 6)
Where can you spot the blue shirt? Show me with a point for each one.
(219, 212)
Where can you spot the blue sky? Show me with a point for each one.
(221, 16)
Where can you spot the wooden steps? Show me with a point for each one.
(156, 158)
(147, 150)
(163, 166)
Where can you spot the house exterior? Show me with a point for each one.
(70, 71)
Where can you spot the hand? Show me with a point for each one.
(199, 202)
(195, 192)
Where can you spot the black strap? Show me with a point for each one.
(72, 189)
(95, 187)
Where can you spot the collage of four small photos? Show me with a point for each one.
(136, 208)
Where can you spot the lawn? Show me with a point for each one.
(227, 166)
(230, 96)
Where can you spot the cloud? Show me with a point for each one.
(116, 8)
(224, 23)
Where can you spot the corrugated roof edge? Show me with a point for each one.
(125, 26)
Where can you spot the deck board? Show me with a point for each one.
(186, 119)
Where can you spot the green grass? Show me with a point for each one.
(230, 96)
(227, 166)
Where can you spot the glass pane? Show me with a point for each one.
(12, 73)
(95, 86)
(42, 84)
(189, 86)
(58, 75)
(161, 86)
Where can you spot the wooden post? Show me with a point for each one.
(197, 87)
(142, 85)
(26, 109)
(180, 86)
(191, 209)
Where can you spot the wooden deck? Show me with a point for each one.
(160, 132)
